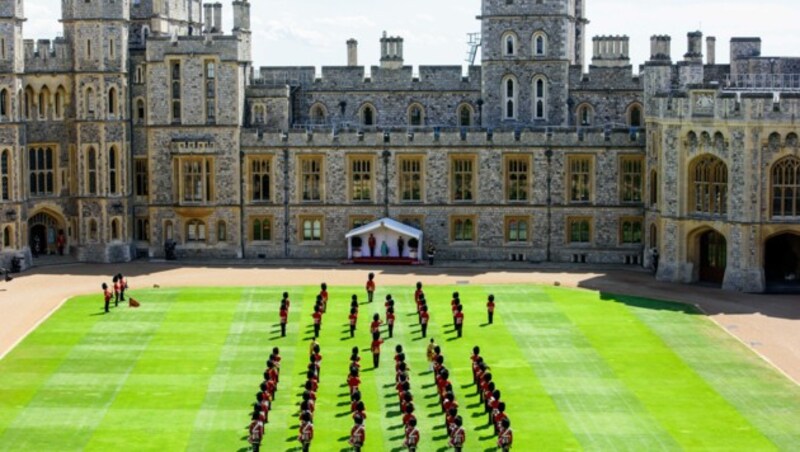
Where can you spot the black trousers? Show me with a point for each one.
(491, 318)
(116, 299)
(122, 294)
(352, 330)
(459, 329)
(107, 303)
(256, 447)
(424, 329)
(316, 330)
(283, 329)
(306, 447)
(376, 360)
(391, 330)
(369, 296)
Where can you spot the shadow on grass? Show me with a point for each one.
(343, 414)
(474, 405)
(397, 438)
(396, 427)
(343, 403)
(391, 414)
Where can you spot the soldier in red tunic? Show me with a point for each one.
(353, 320)
(284, 313)
(106, 296)
(323, 293)
(306, 431)
(317, 315)
(459, 436)
(412, 436)
(506, 438)
(390, 321)
(375, 326)
(256, 432)
(459, 318)
(370, 286)
(376, 349)
(353, 382)
(424, 317)
(490, 309)
(357, 435)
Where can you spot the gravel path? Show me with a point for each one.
(769, 324)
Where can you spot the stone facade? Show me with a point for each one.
(147, 123)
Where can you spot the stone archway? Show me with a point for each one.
(782, 262)
(708, 251)
(43, 230)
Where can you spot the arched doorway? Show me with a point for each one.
(44, 229)
(713, 253)
(782, 262)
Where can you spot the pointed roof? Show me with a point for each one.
(388, 223)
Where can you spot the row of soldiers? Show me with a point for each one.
(358, 434)
(454, 424)
(490, 397)
(264, 399)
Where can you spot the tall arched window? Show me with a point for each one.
(635, 115)
(509, 98)
(58, 104)
(509, 44)
(115, 229)
(585, 115)
(113, 171)
(5, 175)
(318, 115)
(653, 188)
(368, 115)
(786, 187)
(44, 99)
(539, 43)
(416, 115)
(112, 101)
(5, 103)
(40, 169)
(28, 102)
(90, 102)
(464, 115)
(222, 231)
(539, 97)
(91, 171)
(92, 229)
(710, 185)
(7, 237)
(140, 112)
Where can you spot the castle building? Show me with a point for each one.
(146, 123)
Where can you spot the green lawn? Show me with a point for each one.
(578, 370)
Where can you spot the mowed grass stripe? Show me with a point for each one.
(641, 360)
(760, 393)
(165, 379)
(574, 381)
(67, 419)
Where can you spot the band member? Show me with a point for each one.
(376, 349)
(424, 317)
(306, 431)
(370, 286)
(353, 320)
(459, 320)
(284, 313)
(499, 415)
(353, 381)
(360, 412)
(409, 418)
(412, 436)
(454, 302)
(256, 432)
(431, 354)
(459, 436)
(418, 293)
(357, 435)
(286, 299)
(106, 295)
(390, 321)
(317, 315)
(490, 309)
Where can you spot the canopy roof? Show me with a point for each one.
(387, 223)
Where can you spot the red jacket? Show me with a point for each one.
(370, 286)
(424, 318)
(284, 315)
(256, 432)
(317, 318)
(506, 438)
(459, 318)
(412, 437)
(458, 438)
(490, 306)
(306, 432)
(358, 435)
(376, 346)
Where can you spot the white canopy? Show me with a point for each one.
(386, 233)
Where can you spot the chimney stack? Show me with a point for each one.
(660, 48)
(391, 52)
(695, 51)
(241, 15)
(711, 50)
(352, 52)
(208, 17)
(218, 17)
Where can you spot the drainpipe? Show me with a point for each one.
(549, 154)
(286, 202)
(242, 188)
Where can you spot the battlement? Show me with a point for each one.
(45, 55)
(355, 78)
(463, 138)
(225, 47)
(605, 78)
(708, 101)
(611, 51)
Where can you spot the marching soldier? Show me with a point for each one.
(106, 296)
(358, 435)
(370, 286)
(490, 309)
(306, 431)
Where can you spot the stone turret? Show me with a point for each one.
(391, 52)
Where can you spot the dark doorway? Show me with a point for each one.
(782, 263)
(43, 232)
(713, 257)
